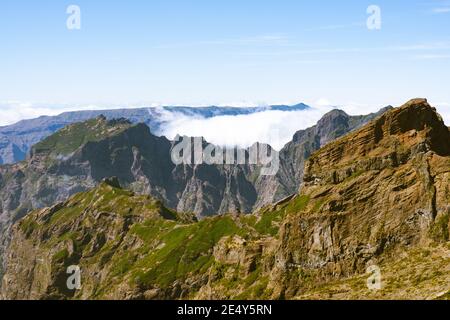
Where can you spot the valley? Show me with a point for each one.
(351, 193)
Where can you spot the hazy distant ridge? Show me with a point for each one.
(16, 139)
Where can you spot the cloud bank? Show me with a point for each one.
(273, 127)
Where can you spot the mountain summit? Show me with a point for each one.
(79, 156)
(374, 199)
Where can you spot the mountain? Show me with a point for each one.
(377, 197)
(373, 196)
(79, 156)
(16, 139)
(332, 125)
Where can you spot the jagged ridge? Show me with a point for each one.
(78, 157)
(344, 220)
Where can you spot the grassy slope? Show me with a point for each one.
(73, 136)
(172, 248)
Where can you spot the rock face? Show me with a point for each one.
(90, 226)
(17, 139)
(81, 155)
(375, 192)
(333, 125)
(378, 196)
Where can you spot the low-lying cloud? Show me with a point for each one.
(273, 127)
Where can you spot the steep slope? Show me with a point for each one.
(131, 247)
(372, 194)
(378, 196)
(17, 139)
(89, 229)
(293, 156)
(37, 183)
(80, 155)
(418, 273)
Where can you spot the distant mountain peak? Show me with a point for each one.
(16, 139)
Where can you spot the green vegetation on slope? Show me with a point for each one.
(70, 138)
(98, 225)
(186, 250)
(270, 220)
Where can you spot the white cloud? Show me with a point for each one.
(338, 26)
(356, 108)
(264, 39)
(432, 57)
(428, 46)
(273, 127)
(323, 102)
(441, 10)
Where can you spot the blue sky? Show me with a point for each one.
(204, 52)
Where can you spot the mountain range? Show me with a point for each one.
(16, 139)
(352, 194)
(79, 156)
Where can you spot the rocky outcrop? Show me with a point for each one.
(129, 247)
(87, 230)
(81, 155)
(378, 196)
(293, 156)
(378, 191)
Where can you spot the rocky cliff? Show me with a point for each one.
(293, 156)
(376, 197)
(77, 157)
(372, 194)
